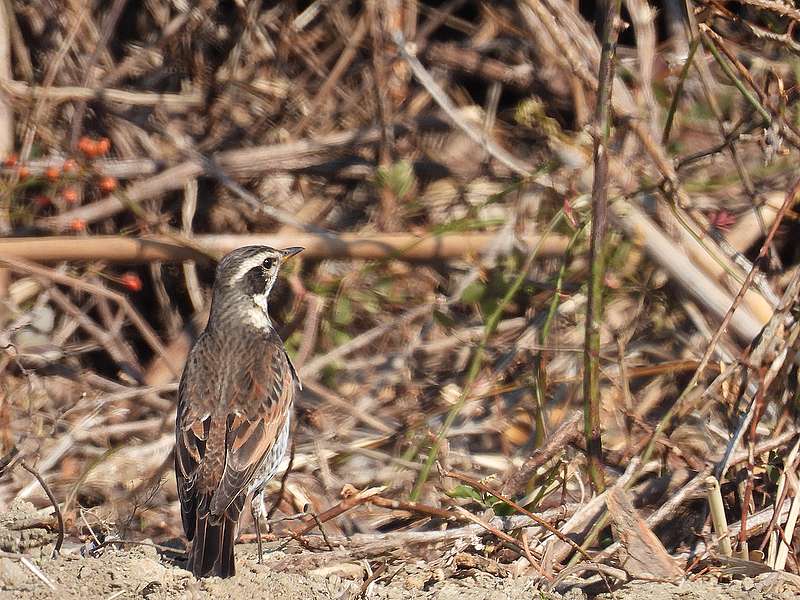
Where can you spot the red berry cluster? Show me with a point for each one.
(93, 148)
(60, 179)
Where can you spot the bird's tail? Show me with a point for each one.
(212, 547)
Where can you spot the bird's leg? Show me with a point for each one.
(257, 509)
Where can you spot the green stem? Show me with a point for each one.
(477, 359)
(554, 301)
(673, 107)
(540, 375)
(594, 308)
(711, 47)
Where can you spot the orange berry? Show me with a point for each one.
(77, 224)
(102, 146)
(52, 173)
(88, 146)
(131, 281)
(107, 184)
(70, 195)
(70, 167)
(11, 160)
(23, 172)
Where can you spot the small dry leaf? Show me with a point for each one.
(643, 556)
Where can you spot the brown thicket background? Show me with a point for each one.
(436, 159)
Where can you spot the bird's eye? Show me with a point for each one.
(268, 262)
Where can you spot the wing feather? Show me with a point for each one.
(228, 419)
(265, 391)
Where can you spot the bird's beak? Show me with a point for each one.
(289, 252)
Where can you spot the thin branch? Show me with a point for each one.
(54, 502)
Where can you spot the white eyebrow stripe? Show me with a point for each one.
(248, 264)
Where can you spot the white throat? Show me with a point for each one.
(259, 315)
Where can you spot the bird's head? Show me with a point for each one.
(245, 276)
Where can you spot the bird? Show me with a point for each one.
(234, 411)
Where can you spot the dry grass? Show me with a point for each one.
(438, 162)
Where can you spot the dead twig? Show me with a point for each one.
(54, 502)
(566, 433)
(29, 564)
(538, 520)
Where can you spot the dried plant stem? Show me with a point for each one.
(167, 101)
(340, 508)
(6, 119)
(785, 10)
(31, 566)
(790, 462)
(501, 535)
(475, 134)
(682, 268)
(238, 162)
(791, 523)
(706, 33)
(594, 308)
(6, 110)
(396, 246)
(666, 420)
(718, 515)
(538, 520)
(24, 266)
(567, 432)
(54, 502)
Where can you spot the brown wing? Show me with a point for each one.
(197, 393)
(264, 392)
(234, 397)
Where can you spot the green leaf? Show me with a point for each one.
(473, 292)
(501, 509)
(467, 492)
(340, 338)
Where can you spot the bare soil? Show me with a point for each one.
(141, 572)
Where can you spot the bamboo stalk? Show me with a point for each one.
(400, 246)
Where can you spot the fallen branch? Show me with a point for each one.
(536, 519)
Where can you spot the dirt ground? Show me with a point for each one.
(141, 572)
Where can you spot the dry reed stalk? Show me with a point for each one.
(398, 246)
